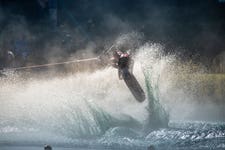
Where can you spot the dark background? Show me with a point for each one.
(189, 27)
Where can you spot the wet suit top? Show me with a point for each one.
(124, 60)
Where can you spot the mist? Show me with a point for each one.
(179, 38)
(187, 27)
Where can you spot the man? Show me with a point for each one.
(6, 60)
(9, 59)
(122, 61)
(47, 147)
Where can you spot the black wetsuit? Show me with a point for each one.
(123, 62)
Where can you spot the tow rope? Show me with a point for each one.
(60, 63)
(52, 64)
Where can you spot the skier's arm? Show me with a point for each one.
(114, 63)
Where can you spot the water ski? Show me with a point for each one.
(133, 85)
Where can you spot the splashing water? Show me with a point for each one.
(97, 111)
(158, 117)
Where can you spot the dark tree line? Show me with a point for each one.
(196, 26)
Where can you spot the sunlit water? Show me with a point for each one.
(97, 111)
